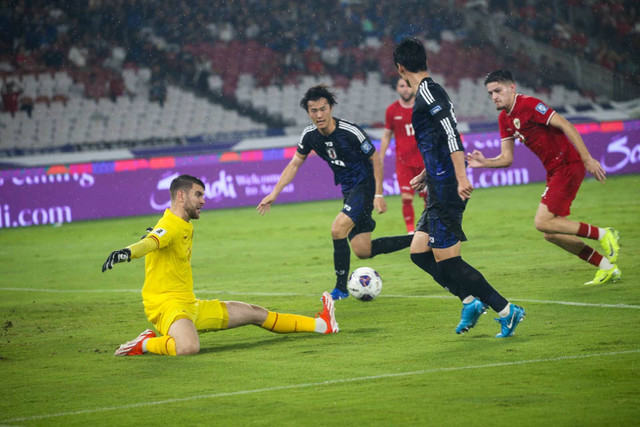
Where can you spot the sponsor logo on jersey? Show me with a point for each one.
(366, 146)
(328, 143)
(541, 108)
(516, 123)
(435, 110)
(398, 118)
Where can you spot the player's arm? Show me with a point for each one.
(385, 141)
(388, 131)
(456, 149)
(464, 185)
(419, 182)
(136, 250)
(285, 179)
(379, 204)
(476, 159)
(591, 164)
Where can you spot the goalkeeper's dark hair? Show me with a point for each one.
(316, 92)
(184, 183)
(410, 53)
(499, 76)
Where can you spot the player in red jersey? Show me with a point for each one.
(409, 161)
(565, 157)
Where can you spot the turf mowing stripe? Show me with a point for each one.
(316, 384)
(294, 294)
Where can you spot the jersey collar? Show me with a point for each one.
(514, 103)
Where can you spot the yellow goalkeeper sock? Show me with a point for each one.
(162, 345)
(287, 323)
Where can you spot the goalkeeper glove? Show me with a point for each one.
(148, 230)
(115, 257)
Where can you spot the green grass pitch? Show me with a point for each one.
(575, 360)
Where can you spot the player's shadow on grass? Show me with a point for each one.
(214, 346)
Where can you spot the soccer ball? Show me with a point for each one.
(365, 284)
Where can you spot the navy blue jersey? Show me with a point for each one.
(346, 150)
(435, 126)
(434, 122)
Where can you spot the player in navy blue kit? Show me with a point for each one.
(357, 167)
(436, 244)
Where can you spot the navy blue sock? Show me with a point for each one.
(427, 262)
(341, 262)
(472, 282)
(385, 245)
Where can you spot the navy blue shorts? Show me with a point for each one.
(358, 205)
(442, 219)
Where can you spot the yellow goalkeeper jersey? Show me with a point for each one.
(168, 268)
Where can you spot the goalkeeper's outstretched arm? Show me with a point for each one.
(136, 250)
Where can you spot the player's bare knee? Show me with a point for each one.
(541, 225)
(185, 349)
(257, 314)
(361, 249)
(362, 254)
(338, 232)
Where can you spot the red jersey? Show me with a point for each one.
(398, 120)
(10, 101)
(528, 121)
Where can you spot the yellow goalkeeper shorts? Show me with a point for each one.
(205, 315)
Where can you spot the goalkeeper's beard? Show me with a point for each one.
(193, 212)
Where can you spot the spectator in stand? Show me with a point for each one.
(265, 74)
(25, 61)
(330, 56)
(27, 98)
(313, 62)
(157, 86)
(294, 61)
(347, 64)
(203, 71)
(78, 55)
(10, 93)
(115, 61)
(53, 57)
(227, 32)
(117, 86)
(94, 87)
(251, 29)
(370, 62)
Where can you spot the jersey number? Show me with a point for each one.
(409, 128)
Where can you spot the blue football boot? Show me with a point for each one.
(337, 294)
(508, 324)
(470, 314)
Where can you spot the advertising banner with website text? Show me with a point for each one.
(66, 193)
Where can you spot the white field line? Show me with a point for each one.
(295, 294)
(316, 384)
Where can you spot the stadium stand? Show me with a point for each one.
(154, 78)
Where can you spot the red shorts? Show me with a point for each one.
(562, 187)
(405, 174)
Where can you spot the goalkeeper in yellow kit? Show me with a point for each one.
(167, 295)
